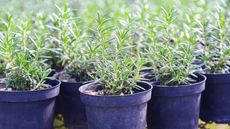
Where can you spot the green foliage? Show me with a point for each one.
(26, 73)
(25, 67)
(214, 43)
(113, 47)
(171, 54)
(114, 75)
(73, 52)
(116, 68)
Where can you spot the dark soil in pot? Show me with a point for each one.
(215, 101)
(116, 112)
(28, 109)
(175, 107)
(70, 105)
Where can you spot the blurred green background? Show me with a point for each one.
(21, 7)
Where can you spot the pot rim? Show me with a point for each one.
(110, 96)
(85, 82)
(216, 74)
(32, 96)
(185, 85)
(112, 101)
(67, 81)
(182, 90)
(33, 91)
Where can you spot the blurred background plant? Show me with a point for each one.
(73, 51)
(214, 42)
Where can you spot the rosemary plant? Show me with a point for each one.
(114, 75)
(24, 69)
(74, 52)
(172, 54)
(116, 67)
(214, 43)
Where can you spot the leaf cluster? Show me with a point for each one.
(22, 55)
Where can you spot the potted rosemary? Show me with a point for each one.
(116, 99)
(27, 97)
(215, 55)
(74, 58)
(176, 94)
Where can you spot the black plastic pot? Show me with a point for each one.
(28, 109)
(215, 101)
(175, 107)
(71, 107)
(117, 112)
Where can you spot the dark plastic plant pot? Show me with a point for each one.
(215, 101)
(117, 112)
(28, 109)
(175, 107)
(71, 107)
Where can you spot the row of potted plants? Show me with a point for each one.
(108, 75)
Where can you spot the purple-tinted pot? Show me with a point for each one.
(117, 112)
(28, 109)
(175, 107)
(71, 107)
(215, 101)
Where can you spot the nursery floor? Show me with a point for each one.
(59, 125)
